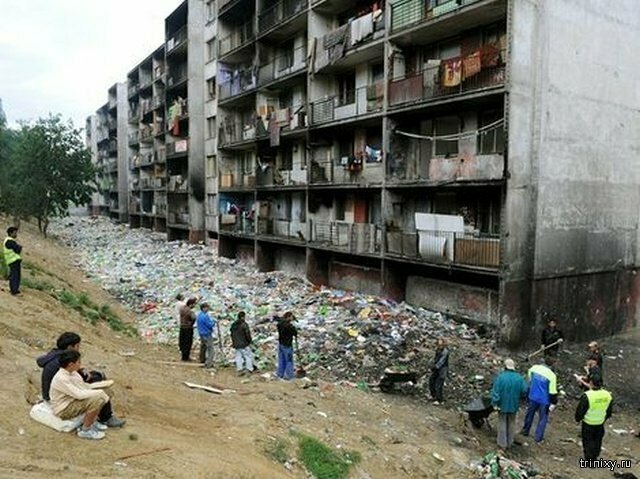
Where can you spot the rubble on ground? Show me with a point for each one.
(496, 466)
(344, 336)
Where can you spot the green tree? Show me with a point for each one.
(49, 169)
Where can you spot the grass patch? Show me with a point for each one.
(278, 450)
(33, 268)
(37, 284)
(322, 461)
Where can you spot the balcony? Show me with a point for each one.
(134, 115)
(134, 138)
(113, 146)
(133, 89)
(242, 81)
(280, 13)
(146, 133)
(445, 248)
(145, 106)
(354, 238)
(160, 156)
(336, 46)
(112, 124)
(157, 102)
(179, 218)
(230, 180)
(236, 132)
(279, 178)
(153, 183)
(177, 184)
(112, 165)
(177, 76)
(482, 70)
(349, 105)
(282, 228)
(238, 224)
(179, 38)
(178, 148)
(283, 66)
(238, 38)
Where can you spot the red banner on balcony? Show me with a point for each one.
(471, 65)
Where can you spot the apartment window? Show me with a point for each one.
(347, 88)
(211, 127)
(211, 89)
(376, 73)
(211, 50)
(211, 10)
(286, 159)
(446, 125)
(449, 49)
(285, 55)
(492, 141)
(211, 166)
(247, 163)
(285, 99)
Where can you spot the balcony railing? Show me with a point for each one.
(280, 12)
(408, 13)
(143, 159)
(278, 177)
(157, 101)
(233, 179)
(134, 137)
(442, 247)
(160, 155)
(345, 170)
(176, 76)
(356, 238)
(145, 105)
(236, 132)
(283, 65)
(178, 218)
(451, 77)
(349, 104)
(113, 146)
(178, 148)
(241, 36)
(146, 133)
(242, 81)
(282, 228)
(238, 224)
(134, 114)
(112, 124)
(178, 38)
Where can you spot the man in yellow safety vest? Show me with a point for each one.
(594, 408)
(11, 251)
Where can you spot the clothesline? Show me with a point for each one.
(457, 136)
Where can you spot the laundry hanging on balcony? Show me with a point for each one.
(471, 65)
(451, 72)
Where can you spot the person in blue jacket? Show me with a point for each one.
(206, 326)
(508, 389)
(543, 397)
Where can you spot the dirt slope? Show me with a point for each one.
(200, 435)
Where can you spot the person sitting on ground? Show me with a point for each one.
(206, 326)
(593, 372)
(241, 341)
(286, 334)
(70, 341)
(439, 371)
(71, 397)
(550, 335)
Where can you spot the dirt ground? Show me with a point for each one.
(176, 432)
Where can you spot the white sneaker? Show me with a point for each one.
(90, 433)
(97, 425)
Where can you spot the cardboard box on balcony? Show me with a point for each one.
(226, 180)
(227, 219)
(250, 181)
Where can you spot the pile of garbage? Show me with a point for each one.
(343, 336)
(495, 466)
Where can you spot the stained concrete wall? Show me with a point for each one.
(572, 215)
(477, 304)
(355, 278)
(196, 87)
(291, 260)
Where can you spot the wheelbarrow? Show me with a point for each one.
(479, 410)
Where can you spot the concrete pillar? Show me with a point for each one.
(123, 151)
(318, 266)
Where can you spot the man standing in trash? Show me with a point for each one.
(286, 334)
(13, 260)
(187, 320)
(439, 371)
(594, 408)
(551, 334)
(206, 326)
(543, 396)
(241, 341)
(508, 389)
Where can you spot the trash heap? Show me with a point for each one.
(495, 466)
(343, 336)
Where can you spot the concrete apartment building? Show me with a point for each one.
(477, 157)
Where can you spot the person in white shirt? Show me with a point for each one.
(71, 396)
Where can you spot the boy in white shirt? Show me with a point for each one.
(71, 396)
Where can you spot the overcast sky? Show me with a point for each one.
(61, 56)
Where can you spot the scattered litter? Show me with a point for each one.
(145, 453)
(120, 464)
(203, 388)
(495, 466)
(438, 456)
(323, 414)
